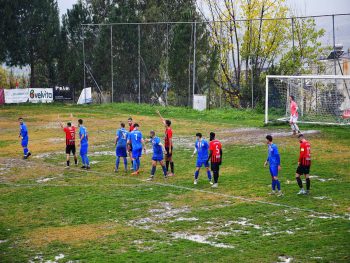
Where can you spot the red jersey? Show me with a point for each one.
(131, 127)
(215, 147)
(305, 153)
(293, 109)
(70, 135)
(168, 136)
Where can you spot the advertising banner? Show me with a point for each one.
(62, 93)
(2, 96)
(41, 95)
(16, 95)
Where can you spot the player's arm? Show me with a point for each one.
(220, 156)
(160, 116)
(170, 143)
(301, 155)
(59, 122)
(143, 144)
(210, 154)
(194, 152)
(163, 148)
(116, 139)
(278, 157)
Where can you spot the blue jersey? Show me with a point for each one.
(135, 138)
(202, 150)
(157, 148)
(122, 137)
(83, 132)
(273, 155)
(23, 131)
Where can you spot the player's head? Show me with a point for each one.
(167, 123)
(199, 135)
(20, 119)
(130, 121)
(122, 124)
(212, 136)
(291, 98)
(136, 125)
(152, 134)
(301, 137)
(80, 122)
(69, 124)
(268, 139)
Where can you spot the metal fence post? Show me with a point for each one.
(112, 63)
(194, 59)
(139, 61)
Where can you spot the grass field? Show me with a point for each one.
(52, 214)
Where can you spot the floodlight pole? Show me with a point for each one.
(112, 64)
(84, 62)
(139, 61)
(194, 59)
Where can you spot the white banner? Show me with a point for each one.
(41, 95)
(199, 102)
(85, 96)
(16, 95)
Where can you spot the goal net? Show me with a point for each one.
(322, 99)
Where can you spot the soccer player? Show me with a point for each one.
(120, 142)
(23, 134)
(201, 148)
(84, 145)
(137, 142)
(168, 143)
(70, 141)
(158, 150)
(131, 128)
(293, 115)
(215, 157)
(304, 164)
(274, 161)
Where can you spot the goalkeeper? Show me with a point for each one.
(293, 115)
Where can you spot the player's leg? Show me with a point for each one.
(167, 158)
(161, 162)
(153, 170)
(208, 171)
(82, 153)
(273, 182)
(171, 163)
(125, 163)
(136, 161)
(75, 155)
(87, 162)
(298, 173)
(196, 173)
(24, 144)
(307, 179)
(68, 151)
(131, 158)
(215, 170)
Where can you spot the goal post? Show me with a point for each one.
(321, 99)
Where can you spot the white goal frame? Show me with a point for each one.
(327, 77)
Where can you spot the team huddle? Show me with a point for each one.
(130, 142)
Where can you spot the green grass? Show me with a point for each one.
(100, 216)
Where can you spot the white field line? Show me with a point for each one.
(205, 191)
(73, 185)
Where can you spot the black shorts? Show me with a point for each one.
(70, 149)
(303, 169)
(215, 167)
(167, 154)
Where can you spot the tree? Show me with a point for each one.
(31, 28)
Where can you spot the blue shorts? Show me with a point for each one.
(202, 162)
(24, 143)
(121, 151)
(274, 170)
(84, 149)
(157, 158)
(136, 153)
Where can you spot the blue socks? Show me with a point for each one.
(164, 170)
(85, 160)
(278, 185)
(25, 151)
(125, 163)
(136, 164)
(209, 175)
(117, 163)
(153, 170)
(196, 174)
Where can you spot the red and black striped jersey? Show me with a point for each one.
(215, 148)
(305, 153)
(70, 135)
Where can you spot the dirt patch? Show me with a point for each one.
(72, 234)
